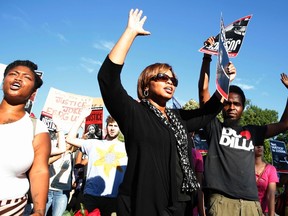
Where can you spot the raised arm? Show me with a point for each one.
(72, 135)
(61, 143)
(203, 83)
(133, 29)
(282, 125)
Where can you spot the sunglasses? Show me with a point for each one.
(162, 77)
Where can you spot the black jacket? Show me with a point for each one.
(150, 179)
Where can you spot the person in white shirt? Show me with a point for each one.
(107, 162)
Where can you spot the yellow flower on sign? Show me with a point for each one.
(109, 159)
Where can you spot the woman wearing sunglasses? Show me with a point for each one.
(159, 179)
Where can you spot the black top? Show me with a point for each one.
(230, 163)
(150, 178)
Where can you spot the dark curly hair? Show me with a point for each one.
(239, 91)
(32, 66)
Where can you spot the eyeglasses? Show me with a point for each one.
(162, 77)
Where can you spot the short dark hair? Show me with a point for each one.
(239, 91)
(31, 65)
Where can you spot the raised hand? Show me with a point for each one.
(231, 71)
(85, 112)
(135, 22)
(284, 79)
(210, 41)
(57, 121)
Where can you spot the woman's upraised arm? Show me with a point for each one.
(133, 29)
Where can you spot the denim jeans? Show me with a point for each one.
(58, 200)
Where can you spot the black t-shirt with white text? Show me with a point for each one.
(230, 163)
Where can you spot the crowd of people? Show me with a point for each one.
(157, 170)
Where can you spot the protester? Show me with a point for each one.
(61, 164)
(79, 179)
(25, 156)
(159, 179)
(229, 166)
(266, 179)
(106, 166)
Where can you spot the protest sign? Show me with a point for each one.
(279, 156)
(67, 105)
(94, 122)
(222, 78)
(234, 34)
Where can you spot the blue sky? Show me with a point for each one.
(70, 39)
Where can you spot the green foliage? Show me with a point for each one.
(256, 116)
(68, 213)
(267, 152)
(121, 137)
(80, 212)
(190, 105)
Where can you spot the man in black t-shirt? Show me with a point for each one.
(229, 166)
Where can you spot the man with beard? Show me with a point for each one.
(230, 182)
(107, 162)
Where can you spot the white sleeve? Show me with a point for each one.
(40, 127)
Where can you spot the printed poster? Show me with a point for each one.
(67, 105)
(94, 122)
(279, 156)
(235, 33)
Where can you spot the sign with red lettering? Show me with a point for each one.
(235, 33)
(93, 124)
(67, 105)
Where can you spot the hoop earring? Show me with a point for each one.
(146, 93)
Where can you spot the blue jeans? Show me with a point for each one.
(58, 200)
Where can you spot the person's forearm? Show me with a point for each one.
(61, 148)
(121, 48)
(203, 83)
(54, 158)
(271, 198)
(284, 117)
(39, 191)
(279, 127)
(74, 129)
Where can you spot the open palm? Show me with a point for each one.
(136, 23)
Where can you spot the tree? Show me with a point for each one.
(257, 116)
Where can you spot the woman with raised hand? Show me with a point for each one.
(159, 179)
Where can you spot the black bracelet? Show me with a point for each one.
(207, 58)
